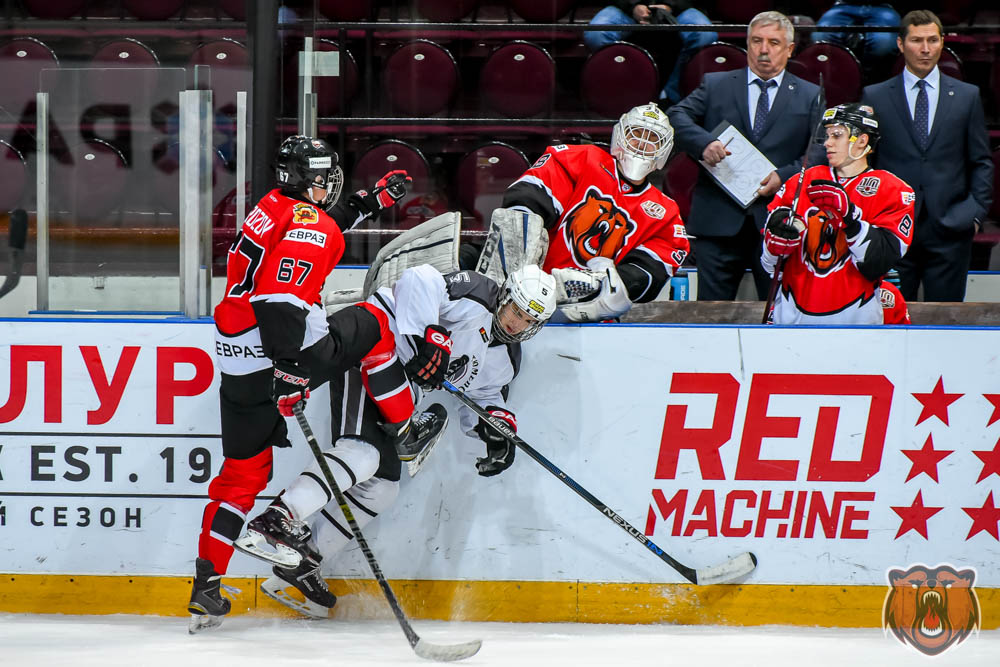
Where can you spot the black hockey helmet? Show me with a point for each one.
(303, 162)
(859, 118)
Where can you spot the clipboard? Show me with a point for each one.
(740, 174)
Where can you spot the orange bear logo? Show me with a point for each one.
(596, 227)
(931, 608)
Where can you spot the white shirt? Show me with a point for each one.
(911, 89)
(753, 90)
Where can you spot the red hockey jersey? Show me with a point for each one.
(823, 277)
(600, 214)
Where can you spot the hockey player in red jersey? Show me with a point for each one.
(894, 309)
(274, 342)
(852, 225)
(614, 238)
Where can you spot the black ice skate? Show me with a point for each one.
(291, 539)
(318, 600)
(207, 606)
(418, 433)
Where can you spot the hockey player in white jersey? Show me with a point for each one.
(461, 327)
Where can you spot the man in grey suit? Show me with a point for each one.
(775, 110)
(934, 138)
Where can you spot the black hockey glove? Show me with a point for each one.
(429, 365)
(783, 232)
(289, 385)
(499, 448)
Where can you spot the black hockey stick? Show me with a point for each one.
(772, 292)
(734, 568)
(424, 649)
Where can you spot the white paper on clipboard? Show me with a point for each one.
(739, 174)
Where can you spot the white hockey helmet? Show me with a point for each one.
(641, 141)
(527, 300)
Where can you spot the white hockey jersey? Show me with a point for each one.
(463, 303)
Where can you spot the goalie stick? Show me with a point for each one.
(734, 568)
(424, 649)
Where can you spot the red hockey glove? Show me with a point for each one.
(783, 232)
(391, 188)
(499, 449)
(289, 385)
(831, 197)
(429, 365)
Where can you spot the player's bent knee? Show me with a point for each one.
(359, 456)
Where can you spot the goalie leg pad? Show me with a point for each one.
(352, 461)
(433, 242)
(515, 238)
(367, 500)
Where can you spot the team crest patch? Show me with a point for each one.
(540, 162)
(653, 209)
(931, 609)
(908, 197)
(887, 298)
(304, 214)
(868, 186)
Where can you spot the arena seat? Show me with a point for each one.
(21, 61)
(344, 10)
(714, 57)
(13, 177)
(230, 71)
(126, 72)
(89, 181)
(153, 10)
(445, 11)
(420, 78)
(679, 178)
(542, 11)
(236, 9)
(388, 156)
(618, 77)
(949, 64)
(483, 175)
(54, 9)
(840, 70)
(327, 88)
(518, 80)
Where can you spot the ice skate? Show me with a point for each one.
(275, 527)
(207, 606)
(317, 599)
(420, 432)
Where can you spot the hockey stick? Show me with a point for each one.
(732, 569)
(424, 649)
(772, 292)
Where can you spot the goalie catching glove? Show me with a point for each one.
(289, 385)
(592, 295)
(429, 365)
(499, 448)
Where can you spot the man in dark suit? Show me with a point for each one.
(775, 110)
(934, 138)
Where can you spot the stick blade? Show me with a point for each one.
(446, 653)
(733, 569)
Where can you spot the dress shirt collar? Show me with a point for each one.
(933, 79)
(751, 77)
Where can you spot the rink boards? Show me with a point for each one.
(832, 454)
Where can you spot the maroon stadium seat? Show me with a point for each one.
(346, 10)
(13, 177)
(949, 64)
(518, 80)
(715, 57)
(388, 156)
(237, 9)
(90, 181)
(445, 11)
(483, 175)
(21, 61)
(679, 179)
(420, 78)
(230, 71)
(840, 70)
(542, 11)
(327, 88)
(618, 77)
(153, 10)
(54, 9)
(127, 72)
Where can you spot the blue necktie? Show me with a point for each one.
(760, 116)
(921, 115)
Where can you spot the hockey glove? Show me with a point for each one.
(429, 365)
(832, 198)
(390, 189)
(289, 385)
(783, 232)
(499, 448)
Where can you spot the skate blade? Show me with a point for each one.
(277, 589)
(202, 622)
(252, 545)
(414, 465)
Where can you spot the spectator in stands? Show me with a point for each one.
(632, 12)
(778, 113)
(934, 138)
(854, 12)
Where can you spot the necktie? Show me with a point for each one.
(760, 116)
(921, 115)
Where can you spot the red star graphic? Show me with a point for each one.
(984, 518)
(915, 516)
(995, 400)
(925, 460)
(936, 403)
(991, 461)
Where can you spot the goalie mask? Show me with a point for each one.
(527, 300)
(303, 163)
(641, 141)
